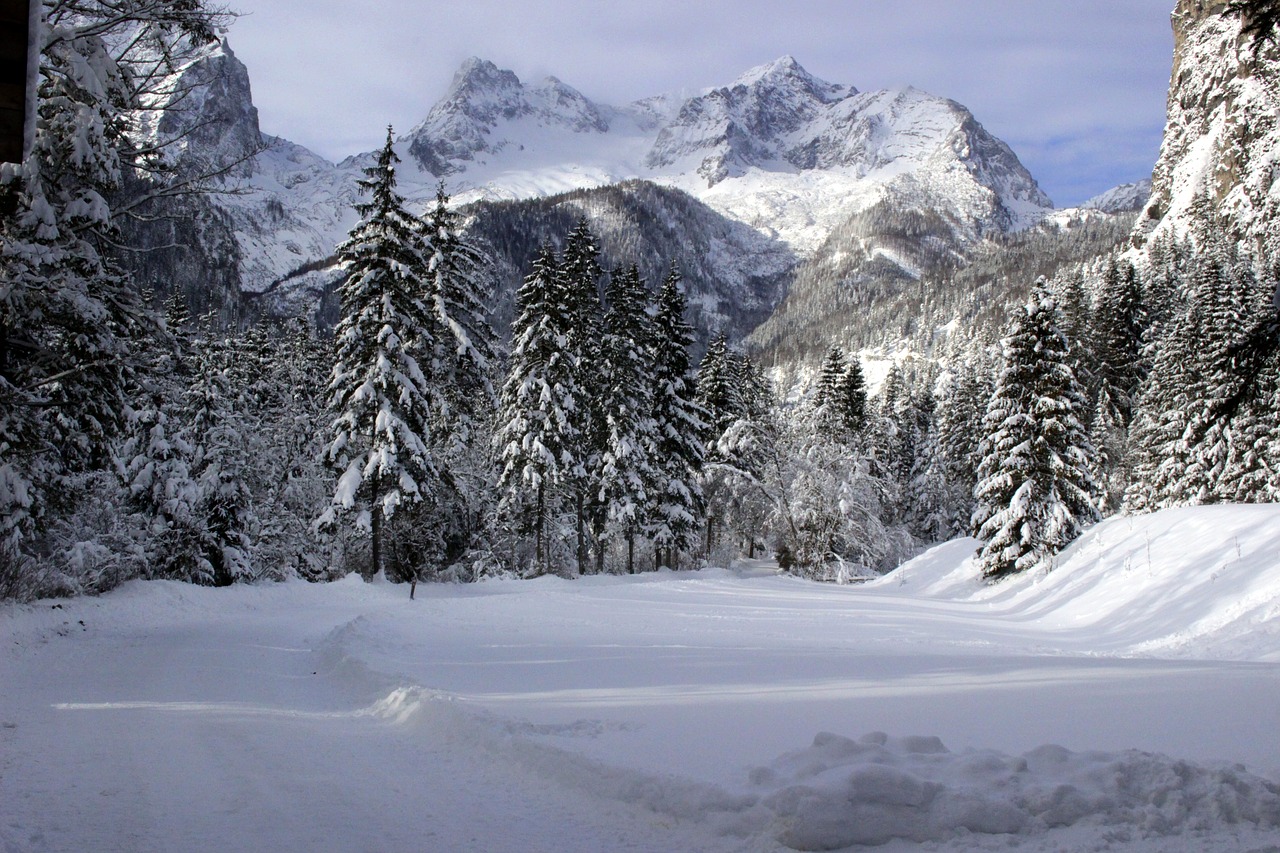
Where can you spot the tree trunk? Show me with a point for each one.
(631, 552)
(539, 556)
(582, 532)
(375, 519)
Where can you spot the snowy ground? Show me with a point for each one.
(1108, 705)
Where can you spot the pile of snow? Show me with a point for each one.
(840, 793)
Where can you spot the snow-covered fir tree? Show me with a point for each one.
(433, 536)
(458, 286)
(1118, 327)
(538, 431)
(719, 393)
(382, 398)
(1201, 434)
(841, 394)
(1034, 491)
(579, 278)
(628, 472)
(676, 501)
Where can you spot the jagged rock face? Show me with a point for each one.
(778, 154)
(748, 123)
(216, 123)
(1221, 145)
(465, 124)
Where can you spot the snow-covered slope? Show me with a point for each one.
(1222, 139)
(713, 711)
(1187, 582)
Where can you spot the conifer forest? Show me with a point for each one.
(147, 433)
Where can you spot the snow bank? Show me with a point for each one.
(1192, 581)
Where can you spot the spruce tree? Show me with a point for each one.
(461, 369)
(960, 415)
(677, 502)
(538, 433)
(580, 279)
(719, 393)
(1117, 330)
(1034, 491)
(382, 397)
(627, 473)
(851, 398)
(458, 286)
(830, 373)
(840, 396)
(1202, 434)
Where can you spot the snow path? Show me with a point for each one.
(710, 711)
(217, 733)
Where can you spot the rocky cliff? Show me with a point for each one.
(1221, 148)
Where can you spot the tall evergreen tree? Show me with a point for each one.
(580, 278)
(719, 393)
(538, 431)
(628, 473)
(841, 395)
(461, 366)
(677, 502)
(1034, 491)
(851, 398)
(458, 286)
(1118, 329)
(960, 415)
(380, 392)
(830, 373)
(1201, 435)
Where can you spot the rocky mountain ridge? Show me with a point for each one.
(776, 170)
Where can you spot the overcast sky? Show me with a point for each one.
(1076, 87)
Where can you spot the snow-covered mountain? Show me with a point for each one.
(779, 149)
(789, 156)
(1126, 198)
(1221, 144)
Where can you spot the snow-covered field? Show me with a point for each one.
(1112, 704)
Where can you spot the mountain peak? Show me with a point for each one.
(476, 75)
(785, 72)
(783, 66)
